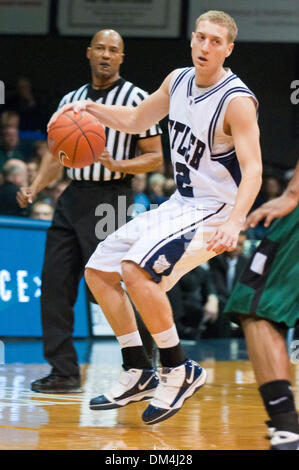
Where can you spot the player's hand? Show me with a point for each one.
(76, 106)
(25, 196)
(211, 309)
(210, 316)
(271, 210)
(107, 160)
(225, 238)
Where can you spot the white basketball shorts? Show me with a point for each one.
(167, 242)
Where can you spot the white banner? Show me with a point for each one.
(131, 18)
(23, 17)
(257, 20)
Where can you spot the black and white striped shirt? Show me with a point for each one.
(120, 145)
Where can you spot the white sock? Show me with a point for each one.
(130, 340)
(168, 338)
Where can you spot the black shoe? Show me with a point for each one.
(57, 384)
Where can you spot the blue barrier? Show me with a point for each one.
(22, 244)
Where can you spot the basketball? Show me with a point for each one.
(76, 139)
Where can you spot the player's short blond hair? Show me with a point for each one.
(223, 19)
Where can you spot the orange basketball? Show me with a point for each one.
(76, 139)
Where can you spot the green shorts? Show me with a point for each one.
(269, 285)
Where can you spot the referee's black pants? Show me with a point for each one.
(71, 240)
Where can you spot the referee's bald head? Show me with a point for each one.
(108, 33)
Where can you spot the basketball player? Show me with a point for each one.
(72, 239)
(214, 139)
(267, 297)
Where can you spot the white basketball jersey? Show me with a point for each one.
(206, 168)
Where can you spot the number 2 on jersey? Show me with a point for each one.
(183, 180)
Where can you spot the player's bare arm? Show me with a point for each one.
(151, 158)
(241, 123)
(279, 206)
(130, 120)
(50, 170)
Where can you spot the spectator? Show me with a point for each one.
(141, 201)
(41, 210)
(32, 169)
(155, 188)
(169, 187)
(32, 113)
(58, 189)
(225, 271)
(272, 187)
(40, 147)
(50, 192)
(14, 176)
(10, 118)
(12, 147)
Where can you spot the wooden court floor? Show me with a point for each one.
(226, 413)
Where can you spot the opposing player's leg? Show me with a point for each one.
(270, 361)
(266, 299)
(267, 350)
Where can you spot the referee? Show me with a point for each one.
(72, 237)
